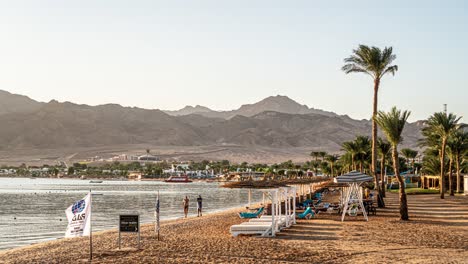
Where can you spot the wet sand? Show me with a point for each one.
(436, 233)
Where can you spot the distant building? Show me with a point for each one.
(148, 157)
(7, 171)
(121, 157)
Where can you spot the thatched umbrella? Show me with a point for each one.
(306, 181)
(251, 184)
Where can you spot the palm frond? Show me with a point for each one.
(372, 61)
(392, 124)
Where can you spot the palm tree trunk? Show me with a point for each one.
(403, 201)
(382, 177)
(352, 161)
(374, 134)
(442, 168)
(457, 164)
(450, 178)
(374, 143)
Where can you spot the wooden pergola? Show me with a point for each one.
(430, 182)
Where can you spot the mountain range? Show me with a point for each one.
(275, 122)
(281, 104)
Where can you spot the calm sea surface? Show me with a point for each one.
(39, 204)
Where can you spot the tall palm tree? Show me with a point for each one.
(442, 125)
(315, 165)
(410, 155)
(458, 145)
(383, 148)
(451, 158)
(353, 149)
(331, 159)
(315, 154)
(346, 162)
(376, 63)
(364, 146)
(322, 154)
(431, 164)
(392, 124)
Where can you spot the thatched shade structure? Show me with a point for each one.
(305, 181)
(335, 185)
(250, 184)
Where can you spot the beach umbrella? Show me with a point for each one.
(353, 177)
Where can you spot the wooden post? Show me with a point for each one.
(90, 228)
(273, 205)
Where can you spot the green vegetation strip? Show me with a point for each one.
(417, 191)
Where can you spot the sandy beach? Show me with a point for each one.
(436, 233)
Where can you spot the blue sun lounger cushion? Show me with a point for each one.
(251, 215)
(307, 214)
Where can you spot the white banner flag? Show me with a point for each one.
(79, 218)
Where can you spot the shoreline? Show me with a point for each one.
(142, 223)
(211, 180)
(426, 238)
(114, 231)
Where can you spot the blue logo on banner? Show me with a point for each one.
(78, 207)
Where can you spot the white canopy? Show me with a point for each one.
(353, 177)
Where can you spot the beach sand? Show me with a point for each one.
(436, 233)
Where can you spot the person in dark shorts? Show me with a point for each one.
(186, 205)
(199, 205)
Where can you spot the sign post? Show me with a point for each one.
(129, 224)
(157, 215)
(90, 229)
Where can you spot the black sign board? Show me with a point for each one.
(129, 223)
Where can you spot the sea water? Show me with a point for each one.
(33, 210)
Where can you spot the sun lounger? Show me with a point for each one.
(251, 215)
(281, 222)
(307, 214)
(251, 229)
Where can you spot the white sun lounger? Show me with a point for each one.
(248, 228)
(281, 222)
(281, 219)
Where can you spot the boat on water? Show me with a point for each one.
(179, 179)
(95, 181)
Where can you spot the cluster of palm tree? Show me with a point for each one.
(358, 154)
(410, 157)
(447, 146)
(327, 163)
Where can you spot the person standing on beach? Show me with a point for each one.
(186, 205)
(199, 205)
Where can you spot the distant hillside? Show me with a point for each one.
(295, 130)
(277, 122)
(57, 125)
(281, 104)
(188, 110)
(13, 103)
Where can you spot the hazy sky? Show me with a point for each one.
(221, 54)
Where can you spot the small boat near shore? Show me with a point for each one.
(179, 179)
(95, 181)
